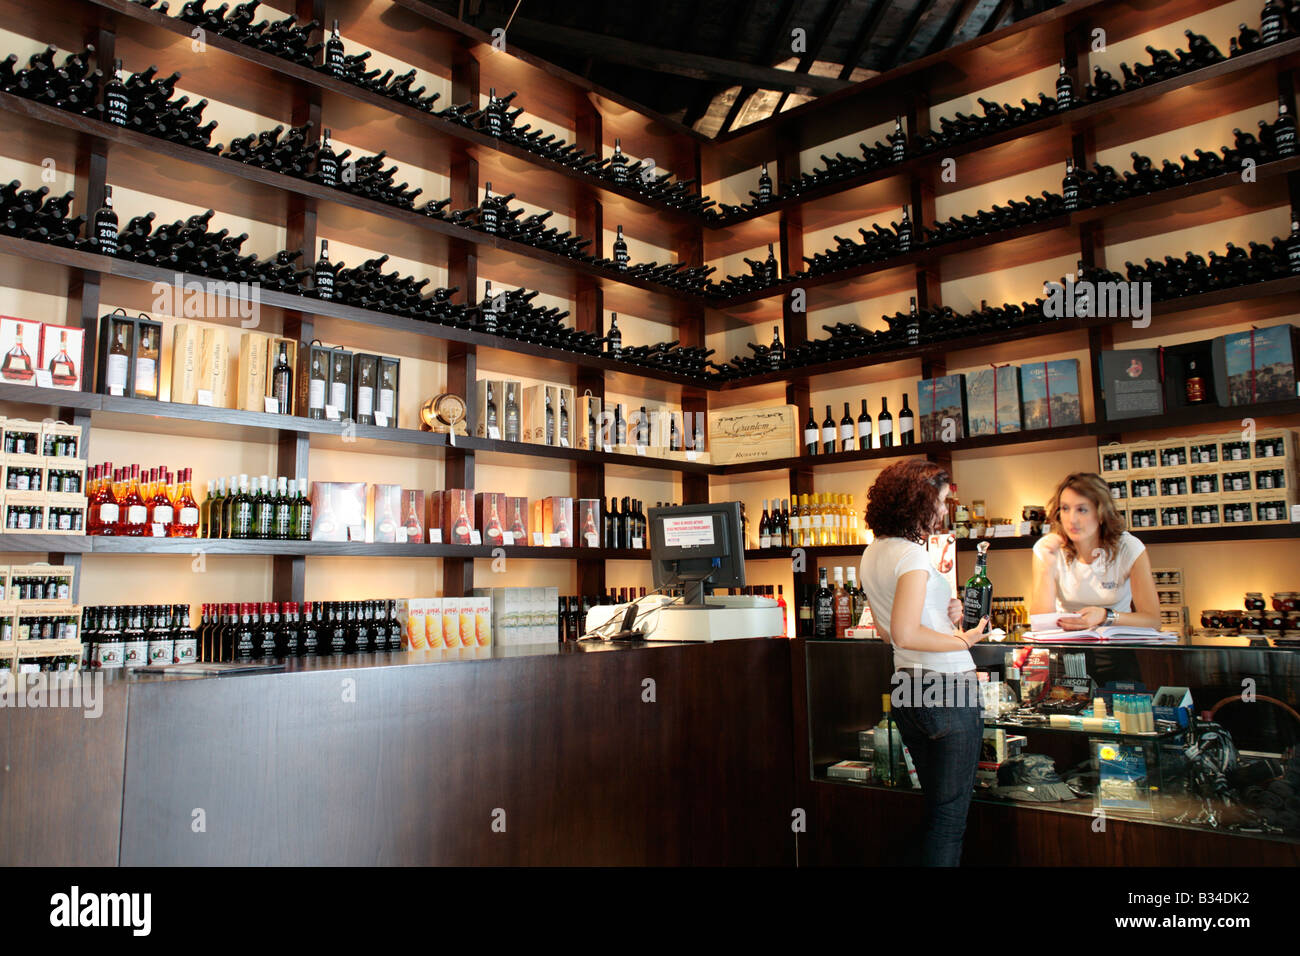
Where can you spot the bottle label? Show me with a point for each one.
(1071, 196)
(976, 603)
(328, 168)
(825, 620)
(810, 436)
(1293, 255)
(828, 435)
(765, 541)
(621, 257)
(1284, 140)
(886, 427)
(106, 236)
(116, 372)
(816, 521)
(161, 651)
(116, 106)
(905, 426)
(386, 396)
(185, 650)
(339, 395)
(137, 514)
(1270, 28)
(108, 514)
(864, 433)
(1064, 95)
(846, 434)
(365, 400)
(324, 284)
(146, 376)
(189, 516)
(162, 514)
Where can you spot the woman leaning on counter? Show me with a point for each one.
(1088, 568)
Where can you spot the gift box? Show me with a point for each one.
(589, 422)
(276, 348)
(365, 380)
(941, 406)
(338, 511)
(20, 340)
(413, 515)
(993, 401)
(1132, 382)
(589, 523)
(383, 512)
(390, 381)
(457, 516)
(61, 355)
(338, 386)
(312, 383)
(517, 519)
(1256, 366)
(1049, 394)
(491, 510)
(250, 375)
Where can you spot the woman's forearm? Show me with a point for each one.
(1138, 619)
(928, 639)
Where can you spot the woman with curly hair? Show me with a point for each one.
(915, 612)
(1088, 568)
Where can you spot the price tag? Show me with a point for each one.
(642, 450)
(552, 540)
(1295, 512)
(592, 541)
(637, 543)
(451, 437)
(606, 449)
(537, 539)
(44, 379)
(356, 532)
(158, 529)
(332, 413)
(1026, 528)
(205, 397)
(564, 443)
(401, 536)
(475, 537)
(435, 536)
(272, 405)
(1004, 531)
(118, 391)
(507, 537)
(494, 433)
(990, 531)
(381, 419)
(692, 455)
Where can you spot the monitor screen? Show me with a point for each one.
(696, 540)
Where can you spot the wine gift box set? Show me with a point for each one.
(556, 291)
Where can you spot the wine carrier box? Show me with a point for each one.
(1257, 365)
(1236, 479)
(481, 427)
(1113, 460)
(1237, 510)
(70, 343)
(388, 400)
(753, 434)
(993, 401)
(1272, 444)
(216, 376)
(365, 387)
(59, 575)
(1205, 512)
(61, 440)
(272, 358)
(1143, 458)
(1273, 475)
(22, 437)
(1273, 507)
(1172, 456)
(251, 379)
(311, 378)
(338, 511)
(20, 349)
(1050, 394)
(1203, 481)
(338, 384)
(942, 408)
(533, 414)
(1143, 514)
(588, 411)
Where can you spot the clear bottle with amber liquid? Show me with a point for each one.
(185, 511)
(133, 515)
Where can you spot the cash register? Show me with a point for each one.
(693, 548)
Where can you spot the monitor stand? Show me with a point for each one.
(693, 589)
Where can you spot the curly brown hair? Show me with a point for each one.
(903, 500)
(1109, 523)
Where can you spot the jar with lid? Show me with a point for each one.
(1285, 601)
(1254, 600)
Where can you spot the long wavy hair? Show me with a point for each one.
(904, 498)
(1109, 523)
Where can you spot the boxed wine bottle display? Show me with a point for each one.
(497, 410)
(993, 400)
(61, 356)
(365, 383)
(338, 511)
(491, 508)
(413, 515)
(312, 383)
(338, 390)
(941, 405)
(383, 510)
(250, 383)
(281, 385)
(20, 339)
(753, 434)
(1257, 365)
(1050, 394)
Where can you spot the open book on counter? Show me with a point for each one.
(1044, 628)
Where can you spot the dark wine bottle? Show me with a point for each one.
(324, 273)
(913, 325)
(770, 266)
(823, 608)
(977, 597)
(898, 141)
(1064, 89)
(614, 338)
(620, 251)
(105, 235)
(334, 63)
(828, 433)
(764, 186)
(905, 233)
(776, 351)
(848, 435)
(117, 106)
(1284, 132)
(885, 425)
(811, 434)
(864, 428)
(906, 420)
(1070, 187)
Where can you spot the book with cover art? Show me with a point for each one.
(1049, 394)
(993, 401)
(1257, 365)
(941, 408)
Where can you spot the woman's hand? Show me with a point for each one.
(1052, 542)
(954, 612)
(975, 634)
(1085, 620)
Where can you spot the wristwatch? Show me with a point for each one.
(1110, 616)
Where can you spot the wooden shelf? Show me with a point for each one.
(462, 137)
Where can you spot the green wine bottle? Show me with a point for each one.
(977, 598)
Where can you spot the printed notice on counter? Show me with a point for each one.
(691, 531)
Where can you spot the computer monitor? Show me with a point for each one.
(697, 546)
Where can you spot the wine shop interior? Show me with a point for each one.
(529, 381)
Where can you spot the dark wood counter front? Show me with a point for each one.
(525, 759)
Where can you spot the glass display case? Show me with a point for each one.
(1200, 735)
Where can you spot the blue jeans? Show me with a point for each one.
(944, 742)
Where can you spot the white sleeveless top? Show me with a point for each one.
(1102, 583)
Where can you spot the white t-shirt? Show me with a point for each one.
(883, 563)
(1102, 583)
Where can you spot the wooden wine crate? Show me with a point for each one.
(1274, 444)
(1113, 461)
(1172, 456)
(1272, 474)
(1237, 510)
(63, 572)
(1273, 507)
(1205, 511)
(753, 434)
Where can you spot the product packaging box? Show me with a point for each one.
(338, 511)
(589, 525)
(1131, 380)
(365, 382)
(752, 434)
(941, 408)
(390, 390)
(517, 520)
(411, 612)
(588, 424)
(115, 368)
(1273, 507)
(1049, 394)
(216, 381)
(536, 400)
(1172, 456)
(1235, 479)
(1257, 365)
(187, 341)
(311, 379)
(557, 522)
(432, 608)
(61, 356)
(450, 623)
(489, 409)
(250, 384)
(1205, 513)
(1182, 365)
(277, 346)
(491, 510)
(482, 619)
(338, 387)
(20, 346)
(457, 516)
(413, 515)
(433, 517)
(383, 513)
(993, 401)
